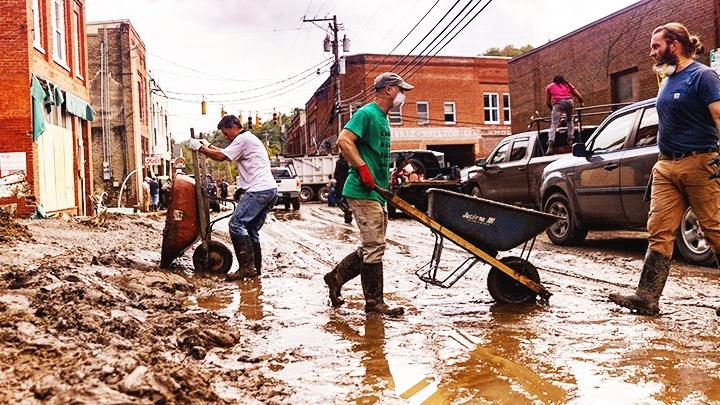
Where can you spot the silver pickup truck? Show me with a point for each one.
(602, 184)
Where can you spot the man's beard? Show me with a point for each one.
(667, 58)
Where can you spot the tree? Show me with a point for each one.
(509, 50)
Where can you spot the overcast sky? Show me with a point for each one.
(234, 46)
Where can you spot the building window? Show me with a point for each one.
(506, 108)
(77, 43)
(492, 112)
(58, 25)
(395, 116)
(449, 113)
(36, 24)
(423, 113)
(625, 86)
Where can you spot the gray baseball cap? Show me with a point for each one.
(392, 79)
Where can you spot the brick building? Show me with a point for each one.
(297, 135)
(119, 93)
(608, 61)
(460, 105)
(44, 110)
(160, 137)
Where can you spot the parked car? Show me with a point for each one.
(429, 163)
(212, 191)
(603, 183)
(512, 172)
(288, 187)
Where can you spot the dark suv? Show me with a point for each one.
(428, 162)
(602, 186)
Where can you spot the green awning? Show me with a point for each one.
(37, 95)
(79, 107)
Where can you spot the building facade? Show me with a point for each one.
(119, 93)
(608, 61)
(460, 105)
(44, 109)
(160, 137)
(297, 135)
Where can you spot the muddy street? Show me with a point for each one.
(92, 319)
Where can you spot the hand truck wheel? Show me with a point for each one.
(220, 258)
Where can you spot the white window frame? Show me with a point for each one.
(454, 112)
(426, 119)
(37, 41)
(492, 108)
(59, 43)
(506, 109)
(397, 115)
(76, 44)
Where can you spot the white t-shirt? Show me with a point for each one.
(252, 162)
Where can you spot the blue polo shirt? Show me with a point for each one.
(682, 106)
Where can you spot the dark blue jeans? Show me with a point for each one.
(250, 214)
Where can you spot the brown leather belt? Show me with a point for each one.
(678, 156)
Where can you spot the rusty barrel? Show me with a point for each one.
(182, 226)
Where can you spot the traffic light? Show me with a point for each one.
(250, 125)
(240, 117)
(258, 122)
(203, 107)
(222, 112)
(275, 118)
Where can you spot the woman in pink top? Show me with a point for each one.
(559, 100)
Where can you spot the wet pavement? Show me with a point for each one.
(456, 345)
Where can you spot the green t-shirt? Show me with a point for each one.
(370, 124)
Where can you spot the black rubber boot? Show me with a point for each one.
(346, 270)
(372, 283)
(347, 213)
(652, 282)
(257, 255)
(245, 258)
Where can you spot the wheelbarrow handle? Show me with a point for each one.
(384, 193)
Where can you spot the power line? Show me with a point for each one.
(318, 66)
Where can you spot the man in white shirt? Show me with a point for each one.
(253, 165)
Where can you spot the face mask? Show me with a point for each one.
(399, 100)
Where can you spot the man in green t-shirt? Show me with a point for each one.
(365, 143)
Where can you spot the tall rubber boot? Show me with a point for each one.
(371, 277)
(346, 270)
(257, 255)
(245, 257)
(652, 282)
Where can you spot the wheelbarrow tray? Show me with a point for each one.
(489, 225)
(182, 228)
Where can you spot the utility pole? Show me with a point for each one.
(335, 71)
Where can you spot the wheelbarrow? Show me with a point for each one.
(483, 228)
(188, 219)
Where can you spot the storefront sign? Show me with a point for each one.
(180, 163)
(154, 160)
(12, 162)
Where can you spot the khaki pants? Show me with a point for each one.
(372, 219)
(677, 184)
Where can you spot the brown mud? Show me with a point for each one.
(86, 316)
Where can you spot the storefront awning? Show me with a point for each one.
(48, 95)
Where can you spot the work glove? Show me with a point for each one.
(205, 143)
(366, 178)
(716, 162)
(194, 144)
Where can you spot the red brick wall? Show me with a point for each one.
(20, 59)
(590, 56)
(461, 80)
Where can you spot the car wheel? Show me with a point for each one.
(296, 204)
(564, 232)
(476, 192)
(306, 194)
(286, 203)
(323, 194)
(691, 242)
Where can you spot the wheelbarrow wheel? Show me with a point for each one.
(505, 289)
(220, 258)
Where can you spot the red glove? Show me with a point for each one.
(366, 178)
